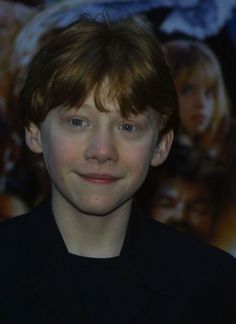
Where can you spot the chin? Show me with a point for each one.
(99, 210)
(96, 212)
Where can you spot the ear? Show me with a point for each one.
(162, 149)
(33, 138)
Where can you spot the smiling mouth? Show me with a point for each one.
(99, 178)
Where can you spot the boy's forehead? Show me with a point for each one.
(89, 105)
(110, 105)
(108, 102)
(148, 114)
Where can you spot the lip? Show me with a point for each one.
(99, 178)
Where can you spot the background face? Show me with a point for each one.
(197, 103)
(184, 205)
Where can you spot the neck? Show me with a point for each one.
(92, 236)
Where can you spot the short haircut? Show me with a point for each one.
(93, 51)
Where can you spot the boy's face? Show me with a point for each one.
(97, 160)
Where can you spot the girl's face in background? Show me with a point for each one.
(197, 101)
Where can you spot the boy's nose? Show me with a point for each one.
(102, 147)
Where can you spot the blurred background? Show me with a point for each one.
(195, 190)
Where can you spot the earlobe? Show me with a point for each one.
(162, 149)
(33, 138)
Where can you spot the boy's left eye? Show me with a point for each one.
(78, 122)
(128, 127)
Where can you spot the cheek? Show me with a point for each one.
(139, 160)
(58, 153)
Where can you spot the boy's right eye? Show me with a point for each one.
(128, 127)
(78, 122)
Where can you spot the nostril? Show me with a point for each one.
(102, 150)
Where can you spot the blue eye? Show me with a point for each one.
(128, 127)
(77, 122)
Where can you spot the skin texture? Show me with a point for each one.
(197, 102)
(96, 162)
(185, 205)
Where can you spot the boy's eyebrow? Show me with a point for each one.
(74, 108)
(81, 107)
(147, 114)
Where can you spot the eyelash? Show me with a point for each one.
(82, 123)
(125, 127)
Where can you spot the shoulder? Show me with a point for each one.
(15, 235)
(19, 239)
(191, 262)
(185, 247)
(193, 272)
(163, 242)
(15, 228)
(11, 230)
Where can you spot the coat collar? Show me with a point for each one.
(142, 261)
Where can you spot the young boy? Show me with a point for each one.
(99, 104)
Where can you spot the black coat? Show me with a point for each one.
(172, 277)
